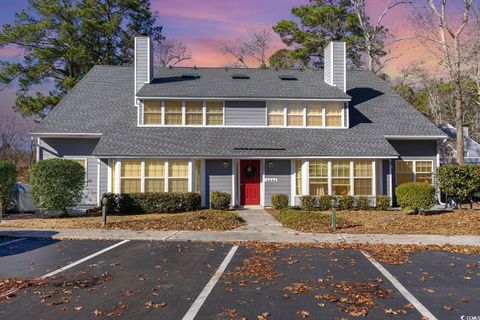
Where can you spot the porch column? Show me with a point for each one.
(293, 182)
(305, 177)
(234, 200)
(390, 181)
(142, 175)
(118, 168)
(191, 176)
(374, 178)
(203, 183)
(262, 183)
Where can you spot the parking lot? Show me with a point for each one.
(190, 280)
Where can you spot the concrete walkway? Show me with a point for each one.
(260, 227)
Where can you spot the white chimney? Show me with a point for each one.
(143, 61)
(335, 65)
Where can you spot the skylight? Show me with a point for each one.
(288, 77)
(240, 76)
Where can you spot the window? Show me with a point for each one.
(298, 177)
(318, 177)
(295, 115)
(154, 175)
(314, 115)
(276, 114)
(173, 112)
(152, 112)
(198, 176)
(214, 113)
(178, 176)
(193, 113)
(404, 170)
(423, 171)
(340, 178)
(130, 176)
(362, 177)
(333, 117)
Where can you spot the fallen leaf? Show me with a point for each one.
(303, 314)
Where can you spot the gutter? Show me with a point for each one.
(65, 135)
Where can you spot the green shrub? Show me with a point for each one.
(279, 201)
(415, 196)
(220, 200)
(364, 203)
(152, 202)
(308, 202)
(8, 177)
(57, 184)
(460, 182)
(382, 202)
(325, 202)
(346, 202)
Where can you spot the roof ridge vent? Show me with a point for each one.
(240, 76)
(190, 76)
(289, 77)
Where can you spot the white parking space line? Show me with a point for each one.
(73, 264)
(417, 304)
(197, 304)
(12, 241)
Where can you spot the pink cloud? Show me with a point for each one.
(11, 51)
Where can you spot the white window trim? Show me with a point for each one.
(414, 169)
(286, 103)
(306, 177)
(166, 177)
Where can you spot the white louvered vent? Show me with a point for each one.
(335, 65)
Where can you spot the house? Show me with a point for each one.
(249, 132)
(448, 147)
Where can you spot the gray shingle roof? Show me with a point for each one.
(218, 82)
(103, 103)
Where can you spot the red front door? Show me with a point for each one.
(250, 182)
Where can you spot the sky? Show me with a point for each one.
(203, 25)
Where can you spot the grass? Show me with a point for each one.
(198, 220)
(458, 222)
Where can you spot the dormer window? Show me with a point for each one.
(152, 112)
(193, 112)
(214, 113)
(173, 112)
(334, 115)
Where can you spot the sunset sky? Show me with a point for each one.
(204, 24)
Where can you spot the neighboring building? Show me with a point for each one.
(448, 147)
(249, 132)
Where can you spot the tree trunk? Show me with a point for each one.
(459, 123)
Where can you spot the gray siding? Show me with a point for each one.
(103, 177)
(218, 178)
(415, 148)
(76, 148)
(245, 113)
(142, 61)
(277, 179)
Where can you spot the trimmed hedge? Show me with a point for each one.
(8, 177)
(346, 202)
(364, 203)
(382, 202)
(325, 203)
(57, 184)
(220, 200)
(415, 196)
(152, 202)
(308, 203)
(279, 201)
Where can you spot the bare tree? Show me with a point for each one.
(254, 46)
(9, 137)
(375, 35)
(170, 52)
(445, 33)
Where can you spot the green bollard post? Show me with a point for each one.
(333, 204)
(104, 211)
